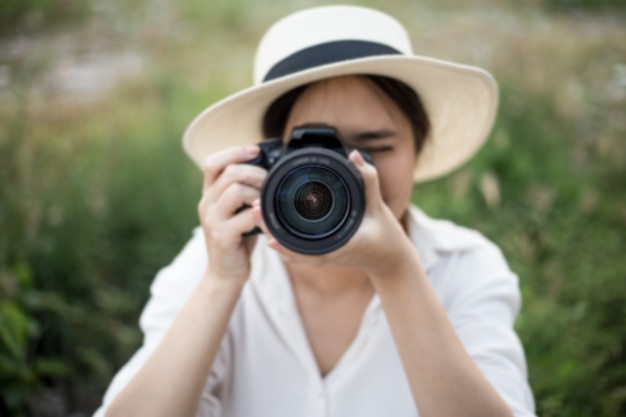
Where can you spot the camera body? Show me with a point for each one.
(313, 199)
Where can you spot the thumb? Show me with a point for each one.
(370, 177)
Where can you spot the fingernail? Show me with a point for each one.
(357, 158)
(252, 149)
(273, 244)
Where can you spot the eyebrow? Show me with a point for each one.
(373, 135)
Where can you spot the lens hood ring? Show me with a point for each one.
(282, 226)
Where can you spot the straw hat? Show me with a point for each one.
(330, 41)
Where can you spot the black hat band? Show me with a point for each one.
(327, 53)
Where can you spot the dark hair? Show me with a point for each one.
(407, 99)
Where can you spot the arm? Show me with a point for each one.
(444, 379)
(171, 380)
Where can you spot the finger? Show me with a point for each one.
(215, 163)
(258, 217)
(237, 173)
(369, 174)
(229, 232)
(242, 222)
(233, 199)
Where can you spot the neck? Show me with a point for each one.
(328, 280)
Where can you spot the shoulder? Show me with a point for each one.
(436, 238)
(463, 265)
(174, 283)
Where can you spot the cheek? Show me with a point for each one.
(396, 181)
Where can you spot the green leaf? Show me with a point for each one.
(14, 326)
(51, 367)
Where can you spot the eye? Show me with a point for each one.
(380, 149)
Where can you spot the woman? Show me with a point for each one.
(412, 316)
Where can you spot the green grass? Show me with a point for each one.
(96, 196)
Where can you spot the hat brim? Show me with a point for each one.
(460, 101)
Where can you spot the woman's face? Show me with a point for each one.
(366, 119)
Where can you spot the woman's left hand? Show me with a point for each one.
(379, 245)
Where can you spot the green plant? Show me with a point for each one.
(85, 226)
(559, 220)
(34, 15)
(95, 197)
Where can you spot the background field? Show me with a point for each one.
(96, 193)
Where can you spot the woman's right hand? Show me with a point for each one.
(229, 183)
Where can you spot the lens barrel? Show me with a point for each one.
(313, 200)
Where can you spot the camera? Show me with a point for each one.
(313, 199)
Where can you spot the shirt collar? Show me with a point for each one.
(431, 237)
(419, 233)
(435, 237)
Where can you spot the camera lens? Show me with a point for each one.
(312, 202)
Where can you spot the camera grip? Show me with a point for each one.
(269, 152)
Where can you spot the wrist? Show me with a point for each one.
(213, 282)
(399, 263)
(388, 247)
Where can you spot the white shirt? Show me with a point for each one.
(265, 366)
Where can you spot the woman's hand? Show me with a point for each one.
(188, 350)
(378, 246)
(228, 185)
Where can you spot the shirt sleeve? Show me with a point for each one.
(482, 299)
(169, 291)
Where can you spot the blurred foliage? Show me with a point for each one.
(19, 16)
(561, 224)
(606, 6)
(96, 194)
(80, 241)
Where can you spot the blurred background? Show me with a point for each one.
(96, 194)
